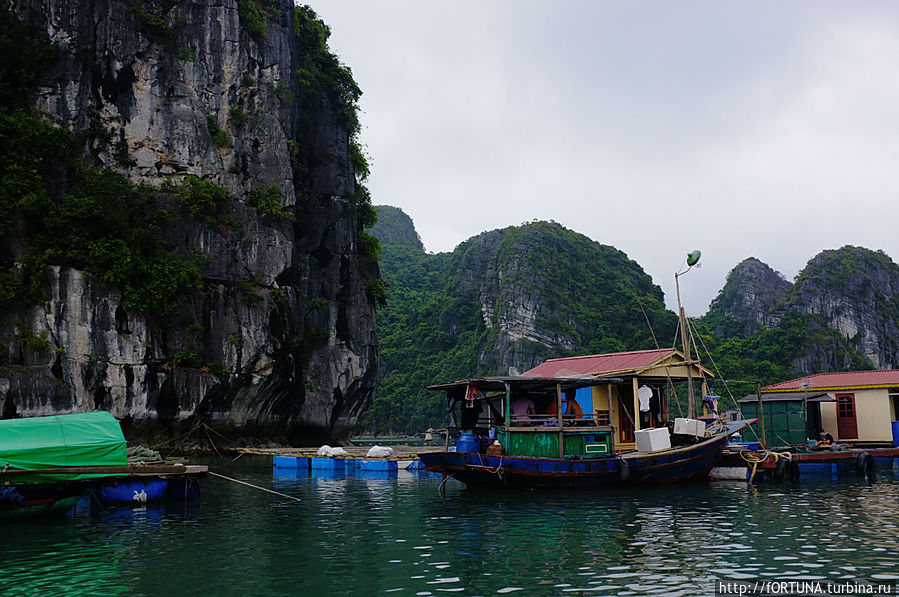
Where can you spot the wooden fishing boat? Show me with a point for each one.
(48, 463)
(559, 450)
(538, 440)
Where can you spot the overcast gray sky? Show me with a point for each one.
(765, 129)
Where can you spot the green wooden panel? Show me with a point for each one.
(784, 421)
(796, 422)
(546, 445)
(574, 445)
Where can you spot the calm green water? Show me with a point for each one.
(396, 536)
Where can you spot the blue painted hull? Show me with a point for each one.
(35, 499)
(687, 463)
(125, 490)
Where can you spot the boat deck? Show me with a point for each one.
(133, 470)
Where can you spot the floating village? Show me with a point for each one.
(591, 422)
(228, 366)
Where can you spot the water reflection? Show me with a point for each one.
(392, 533)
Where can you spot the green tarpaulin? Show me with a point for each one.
(81, 439)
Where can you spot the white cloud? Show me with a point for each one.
(763, 129)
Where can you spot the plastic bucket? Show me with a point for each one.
(468, 442)
(896, 434)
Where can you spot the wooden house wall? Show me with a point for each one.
(873, 414)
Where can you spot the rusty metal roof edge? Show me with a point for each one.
(578, 380)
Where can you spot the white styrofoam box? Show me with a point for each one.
(729, 473)
(692, 427)
(652, 440)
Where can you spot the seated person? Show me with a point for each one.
(825, 440)
(573, 408)
(522, 409)
(570, 407)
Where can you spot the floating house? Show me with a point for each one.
(635, 397)
(858, 407)
(791, 419)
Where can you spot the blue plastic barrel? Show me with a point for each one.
(896, 434)
(133, 491)
(468, 442)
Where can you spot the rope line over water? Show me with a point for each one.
(284, 495)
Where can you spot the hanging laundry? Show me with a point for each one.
(644, 394)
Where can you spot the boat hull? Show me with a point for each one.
(39, 499)
(688, 463)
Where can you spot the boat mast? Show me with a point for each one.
(692, 259)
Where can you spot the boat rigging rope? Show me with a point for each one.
(441, 487)
(714, 364)
(723, 380)
(659, 348)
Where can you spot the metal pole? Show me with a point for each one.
(507, 406)
(559, 415)
(691, 408)
(758, 391)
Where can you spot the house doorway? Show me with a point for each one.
(625, 414)
(847, 426)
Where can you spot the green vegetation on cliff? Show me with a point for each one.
(506, 298)
(62, 213)
(517, 296)
(394, 227)
(776, 354)
(840, 312)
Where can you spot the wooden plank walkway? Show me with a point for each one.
(354, 452)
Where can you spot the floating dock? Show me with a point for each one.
(782, 464)
(404, 456)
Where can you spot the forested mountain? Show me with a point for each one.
(505, 298)
(517, 296)
(751, 291)
(841, 313)
(394, 228)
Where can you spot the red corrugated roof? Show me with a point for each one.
(599, 364)
(843, 379)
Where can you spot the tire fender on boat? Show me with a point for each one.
(793, 471)
(864, 465)
(625, 470)
(780, 469)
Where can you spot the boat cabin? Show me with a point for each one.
(527, 416)
(630, 389)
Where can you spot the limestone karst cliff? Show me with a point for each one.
(856, 292)
(842, 309)
(751, 291)
(504, 298)
(238, 125)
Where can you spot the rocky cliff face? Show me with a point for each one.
(752, 290)
(851, 290)
(512, 294)
(504, 298)
(856, 291)
(280, 338)
(540, 290)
